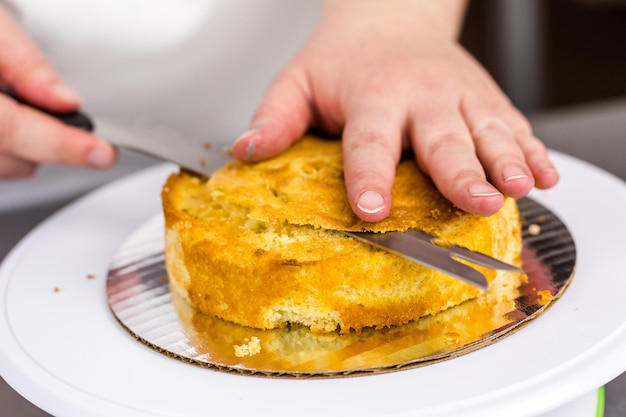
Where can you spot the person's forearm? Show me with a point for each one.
(440, 17)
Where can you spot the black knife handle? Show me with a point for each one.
(74, 118)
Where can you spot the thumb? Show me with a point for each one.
(281, 118)
(24, 69)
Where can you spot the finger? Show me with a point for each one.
(535, 152)
(544, 172)
(498, 149)
(282, 117)
(372, 144)
(12, 167)
(24, 69)
(28, 134)
(445, 151)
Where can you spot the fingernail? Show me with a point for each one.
(65, 93)
(370, 202)
(101, 157)
(513, 173)
(250, 147)
(481, 190)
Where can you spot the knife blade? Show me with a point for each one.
(170, 145)
(422, 248)
(163, 143)
(148, 138)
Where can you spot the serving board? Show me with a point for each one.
(139, 296)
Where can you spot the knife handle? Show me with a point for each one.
(74, 118)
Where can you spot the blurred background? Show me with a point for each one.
(562, 62)
(551, 53)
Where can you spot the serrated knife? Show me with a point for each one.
(168, 145)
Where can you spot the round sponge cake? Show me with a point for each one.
(264, 244)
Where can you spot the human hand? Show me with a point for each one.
(29, 137)
(388, 79)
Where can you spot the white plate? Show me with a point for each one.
(66, 353)
(588, 405)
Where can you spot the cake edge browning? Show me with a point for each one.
(239, 280)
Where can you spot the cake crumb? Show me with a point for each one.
(91, 276)
(545, 296)
(57, 289)
(207, 145)
(251, 347)
(435, 213)
(534, 229)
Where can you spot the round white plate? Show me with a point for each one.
(588, 405)
(62, 349)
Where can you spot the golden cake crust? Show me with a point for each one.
(262, 244)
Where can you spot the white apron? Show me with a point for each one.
(197, 66)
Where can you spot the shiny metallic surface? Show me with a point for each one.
(158, 141)
(419, 248)
(139, 297)
(147, 137)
